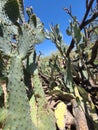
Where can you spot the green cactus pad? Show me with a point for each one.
(18, 116)
(45, 117)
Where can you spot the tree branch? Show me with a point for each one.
(94, 52)
(87, 11)
(94, 16)
(83, 24)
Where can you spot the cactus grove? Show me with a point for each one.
(52, 93)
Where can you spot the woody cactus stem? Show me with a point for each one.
(18, 115)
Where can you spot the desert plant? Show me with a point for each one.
(80, 70)
(17, 41)
(66, 81)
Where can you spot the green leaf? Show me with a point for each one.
(21, 9)
(68, 76)
(76, 33)
(7, 47)
(11, 9)
(33, 107)
(45, 116)
(29, 37)
(3, 114)
(34, 20)
(68, 31)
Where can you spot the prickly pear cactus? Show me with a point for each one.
(18, 116)
(17, 42)
(43, 117)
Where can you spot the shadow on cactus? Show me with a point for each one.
(17, 41)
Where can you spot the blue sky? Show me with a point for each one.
(51, 12)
